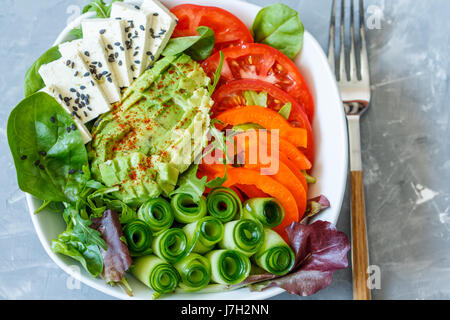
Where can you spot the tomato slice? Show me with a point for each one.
(262, 62)
(229, 30)
(231, 96)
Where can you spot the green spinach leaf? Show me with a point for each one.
(33, 80)
(280, 27)
(47, 148)
(197, 47)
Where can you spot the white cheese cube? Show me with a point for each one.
(111, 34)
(137, 34)
(81, 95)
(163, 25)
(95, 58)
(85, 134)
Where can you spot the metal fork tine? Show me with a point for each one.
(364, 59)
(342, 72)
(331, 59)
(353, 75)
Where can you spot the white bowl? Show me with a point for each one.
(330, 166)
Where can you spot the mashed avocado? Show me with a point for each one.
(153, 135)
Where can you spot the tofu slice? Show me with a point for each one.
(85, 134)
(81, 95)
(94, 56)
(163, 25)
(111, 35)
(137, 34)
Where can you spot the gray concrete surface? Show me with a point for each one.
(404, 143)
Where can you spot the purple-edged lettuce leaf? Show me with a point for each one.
(314, 206)
(320, 249)
(116, 259)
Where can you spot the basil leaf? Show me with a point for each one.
(48, 154)
(197, 47)
(280, 27)
(33, 80)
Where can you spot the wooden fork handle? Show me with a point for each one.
(360, 259)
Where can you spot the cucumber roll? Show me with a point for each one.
(268, 211)
(186, 210)
(245, 236)
(195, 272)
(156, 274)
(275, 255)
(139, 238)
(204, 234)
(224, 204)
(171, 245)
(228, 266)
(157, 213)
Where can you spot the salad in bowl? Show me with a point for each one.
(175, 148)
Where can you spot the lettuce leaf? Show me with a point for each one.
(116, 258)
(320, 249)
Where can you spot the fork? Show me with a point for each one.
(354, 87)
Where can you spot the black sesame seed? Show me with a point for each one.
(111, 59)
(74, 127)
(110, 47)
(102, 31)
(142, 27)
(117, 44)
(86, 53)
(87, 74)
(52, 119)
(68, 62)
(82, 87)
(75, 108)
(85, 113)
(43, 153)
(89, 108)
(137, 7)
(76, 74)
(116, 55)
(41, 167)
(127, 29)
(72, 171)
(122, 48)
(100, 65)
(94, 62)
(37, 162)
(156, 14)
(135, 54)
(72, 90)
(109, 80)
(68, 129)
(120, 62)
(137, 61)
(92, 83)
(24, 157)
